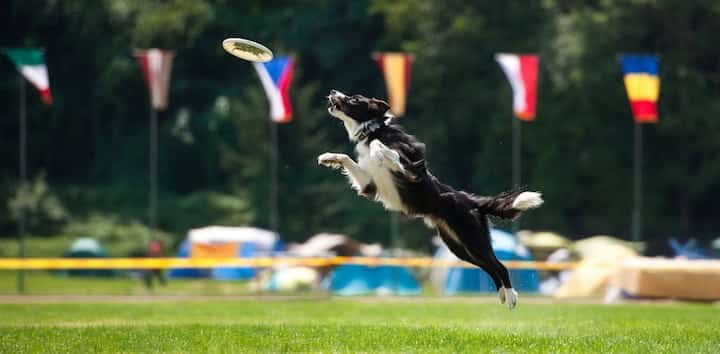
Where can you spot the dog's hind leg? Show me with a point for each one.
(507, 294)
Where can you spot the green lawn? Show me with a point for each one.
(357, 326)
(45, 283)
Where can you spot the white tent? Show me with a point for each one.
(325, 243)
(263, 239)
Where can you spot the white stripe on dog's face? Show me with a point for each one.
(351, 125)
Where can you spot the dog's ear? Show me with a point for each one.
(379, 106)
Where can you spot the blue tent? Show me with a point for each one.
(466, 280)
(184, 252)
(355, 279)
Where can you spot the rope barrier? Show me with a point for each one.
(165, 263)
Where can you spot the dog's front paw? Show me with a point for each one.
(332, 160)
(383, 155)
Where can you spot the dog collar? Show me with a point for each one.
(367, 128)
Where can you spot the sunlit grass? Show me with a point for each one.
(355, 326)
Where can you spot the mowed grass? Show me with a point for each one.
(45, 283)
(359, 325)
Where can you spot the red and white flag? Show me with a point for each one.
(156, 65)
(522, 72)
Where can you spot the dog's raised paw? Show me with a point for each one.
(383, 155)
(527, 200)
(331, 160)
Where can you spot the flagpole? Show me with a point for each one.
(152, 210)
(516, 159)
(273, 177)
(637, 185)
(23, 179)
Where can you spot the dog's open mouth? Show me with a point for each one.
(333, 103)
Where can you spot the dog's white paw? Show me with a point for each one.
(332, 160)
(501, 295)
(383, 155)
(511, 298)
(527, 200)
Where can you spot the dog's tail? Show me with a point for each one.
(508, 205)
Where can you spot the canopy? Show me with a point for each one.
(264, 240)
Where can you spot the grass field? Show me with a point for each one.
(357, 325)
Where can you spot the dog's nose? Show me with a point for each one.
(333, 92)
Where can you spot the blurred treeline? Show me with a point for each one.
(88, 152)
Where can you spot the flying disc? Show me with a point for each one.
(248, 50)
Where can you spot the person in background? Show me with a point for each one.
(155, 250)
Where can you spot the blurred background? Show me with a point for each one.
(87, 160)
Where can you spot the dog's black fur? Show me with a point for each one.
(459, 217)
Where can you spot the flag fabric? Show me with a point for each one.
(31, 64)
(396, 70)
(275, 76)
(522, 72)
(642, 83)
(156, 65)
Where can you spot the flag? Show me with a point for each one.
(642, 83)
(522, 72)
(156, 65)
(275, 76)
(396, 70)
(30, 63)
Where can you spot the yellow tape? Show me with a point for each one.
(165, 263)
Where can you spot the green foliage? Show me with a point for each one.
(214, 150)
(42, 209)
(121, 238)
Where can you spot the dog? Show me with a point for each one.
(391, 169)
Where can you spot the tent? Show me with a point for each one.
(87, 248)
(225, 242)
(600, 257)
(355, 279)
(543, 243)
(457, 280)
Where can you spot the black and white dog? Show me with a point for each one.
(391, 169)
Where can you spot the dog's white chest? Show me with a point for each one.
(386, 190)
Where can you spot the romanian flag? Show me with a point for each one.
(642, 82)
(522, 72)
(156, 65)
(396, 70)
(275, 76)
(31, 64)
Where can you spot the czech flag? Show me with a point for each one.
(642, 83)
(396, 70)
(522, 72)
(275, 76)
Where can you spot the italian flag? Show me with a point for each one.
(30, 63)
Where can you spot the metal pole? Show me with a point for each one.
(516, 159)
(394, 244)
(637, 185)
(152, 210)
(23, 182)
(274, 218)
